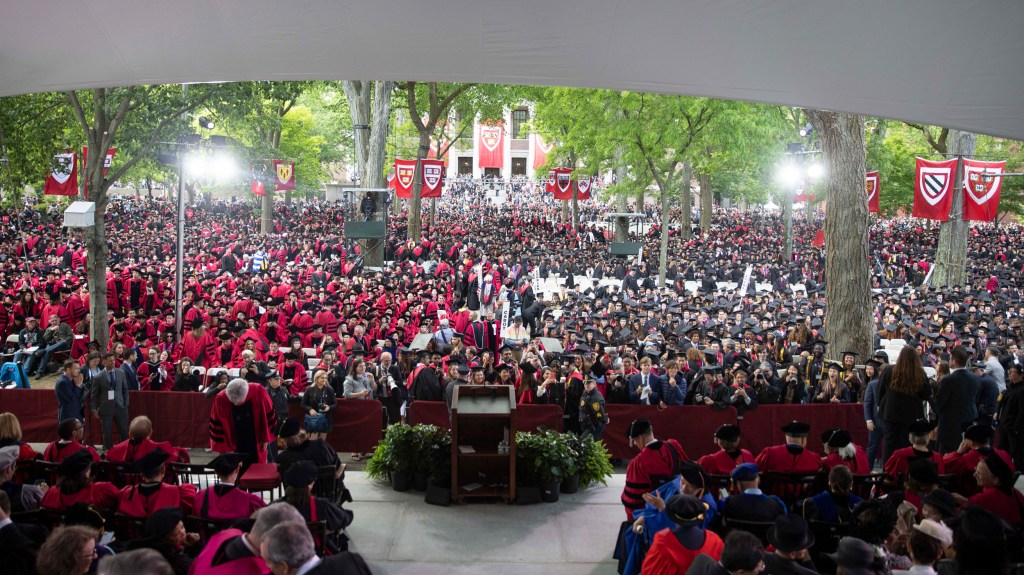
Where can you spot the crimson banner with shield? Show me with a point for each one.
(871, 183)
(491, 145)
(933, 189)
(563, 183)
(433, 178)
(284, 175)
(63, 178)
(981, 192)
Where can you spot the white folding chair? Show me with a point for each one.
(212, 373)
(233, 372)
(312, 362)
(309, 351)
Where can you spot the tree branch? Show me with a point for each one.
(76, 107)
(414, 113)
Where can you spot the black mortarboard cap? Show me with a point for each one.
(225, 463)
(796, 428)
(921, 427)
(300, 474)
(290, 428)
(638, 427)
(162, 523)
(76, 463)
(728, 432)
(150, 463)
(836, 437)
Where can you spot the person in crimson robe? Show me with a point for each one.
(135, 289)
(225, 500)
(76, 486)
(242, 420)
(921, 432)
(793, 456)
(656, 464)
(152, 493)
(722, 462)
(71, 431)
(673, 550)
(233, 552)
(998, 495)
(293, 373)
(963, 462)
(139, 444)
(199, 346)
(153, 373)
(840, 450)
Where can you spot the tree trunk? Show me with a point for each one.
(373, 176)
(640, 201)
(575, 211)
(415, 217)
(663, 252)
(787, 218)
(706, 203)
(848, 323)
(96, 236)
(622, 205)
(687, 197)
(565, 211)
(358, 95)
(267, 215)
(951, 255)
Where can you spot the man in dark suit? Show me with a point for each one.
(288, 549)
(110, 400)
(955, 401)
(17, 549)
(644, 386)
(70, 393)
(131, 376)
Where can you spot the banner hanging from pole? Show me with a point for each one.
(981, 193)
(63, 178)
(284, 174)
(871, 183)
(491, 145)
(933, 189)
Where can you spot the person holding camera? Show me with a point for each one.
(318, 403)
(252, 370)
(185, 378)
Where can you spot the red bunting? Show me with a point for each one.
(391, 181)
(981, 194)
(433, 178)
(933, 189)
(284, 173)
(491, 145)
(549, 183)
(257, 188)
(563, 183)
(583, 185)
(63, 178)
(871, 183)
(106, 165)
(540, 152)
(819, 239)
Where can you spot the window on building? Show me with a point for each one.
(466, 165)
(518, 166)
(519, 119)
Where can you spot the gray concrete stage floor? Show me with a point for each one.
(399, 533)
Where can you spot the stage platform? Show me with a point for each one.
(399, 533)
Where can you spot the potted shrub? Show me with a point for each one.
(593, 462)
(577, 447)
(438, 454)
(548, 458)
(395, 457)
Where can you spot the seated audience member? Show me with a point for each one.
(225, 500)
(10, 434)
(940, 505)
(792, 539)
(998, 494)
(164, 532)
(137, 562)
(963, 461)
(68, 551)
(729, 455)
(152, 493)
(874, 522)
(835, 504)
(980, 544)
(927, 544)
(235, 552)
(76, 486)
(742, 554)
(653, 518)
(91, 517)
(23, 497)
(854, 556)
(674, 549)
(921, 432)
(922, 480)
(71, 431)
(841, 450)
(298, 447)
(289, 549)
(298, 491)
(750, 503)
(139, 444)
(185, 378)
(656, 464)
(17, 547)
(793, 456)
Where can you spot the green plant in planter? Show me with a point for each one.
(397, 452)
(546, 455)
(593, 460)
(438, 454)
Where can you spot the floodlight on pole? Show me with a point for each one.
(205, 123)
(815, 171)
(788, 174)
(806, 130)
(224, 167)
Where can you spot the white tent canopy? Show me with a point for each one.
(953, 63)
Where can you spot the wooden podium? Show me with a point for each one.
(483, 417)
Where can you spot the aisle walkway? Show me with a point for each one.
(398, 533)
